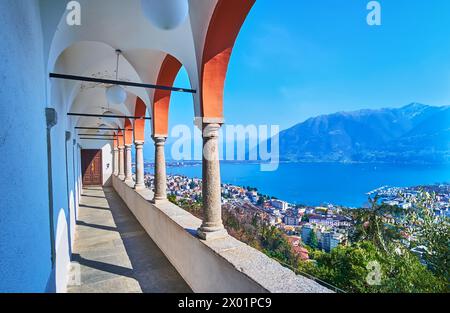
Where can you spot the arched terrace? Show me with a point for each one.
(131, 219)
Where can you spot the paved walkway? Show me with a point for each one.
(114, 254)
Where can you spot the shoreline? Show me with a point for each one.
(256, 162)
(384, 192)
(345, 185)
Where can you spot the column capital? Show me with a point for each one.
(159, 141)
(200, 122)
(116, 149)
(138, 143)
(211, 130)
(121, 147)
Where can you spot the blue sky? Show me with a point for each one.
(295, 59)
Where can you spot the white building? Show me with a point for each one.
(279, 204)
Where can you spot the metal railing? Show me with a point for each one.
(317, 280)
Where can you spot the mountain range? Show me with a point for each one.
(415, 133)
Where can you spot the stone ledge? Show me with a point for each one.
(219, 265)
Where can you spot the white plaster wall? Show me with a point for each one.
(75, 178)
(61, 192)
(71, 193)
(72, 220)
(23, 144)
(107, 165)
(24, 216)
(80, 177)
(62, 253)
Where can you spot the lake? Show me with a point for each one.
(321, 183)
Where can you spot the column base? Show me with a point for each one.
(157, 200)
(211, 235)
(139, 187)
(121, 177)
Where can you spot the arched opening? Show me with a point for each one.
(223, 30)
(139, 124)
(161, 100)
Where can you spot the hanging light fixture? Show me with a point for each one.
(167, 14)
(116, 94)
(100, 126)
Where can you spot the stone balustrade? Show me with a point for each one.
(223, 265)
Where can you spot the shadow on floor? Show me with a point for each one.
(89, 196)
(151, 268)
(93, 207)
(103, 227)
(104, 267)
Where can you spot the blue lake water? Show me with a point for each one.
(319, 183)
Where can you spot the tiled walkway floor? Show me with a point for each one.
(114, 252)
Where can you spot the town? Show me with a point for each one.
(405, 197)
(319, 227)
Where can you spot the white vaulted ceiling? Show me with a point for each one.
(89, 50)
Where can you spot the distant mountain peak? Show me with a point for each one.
(416, 133)
(415, 105)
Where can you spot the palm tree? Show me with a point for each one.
(377, 224)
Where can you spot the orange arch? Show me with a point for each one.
(128, 132)
(226, 22)
(161, 101)
(120, 139)
(115, 141)
(139, 125)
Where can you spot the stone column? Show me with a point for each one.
(160, 170)
(116, 161)
(128, 169)
(212, 226)
(140, 184)
(121, 163)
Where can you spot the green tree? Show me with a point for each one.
(313, 241)
(403, 272)
(275, 245)
(346, 267)
(432, 232)
(230, 221)
(376, 224)
(260, 201)
(173, 199)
